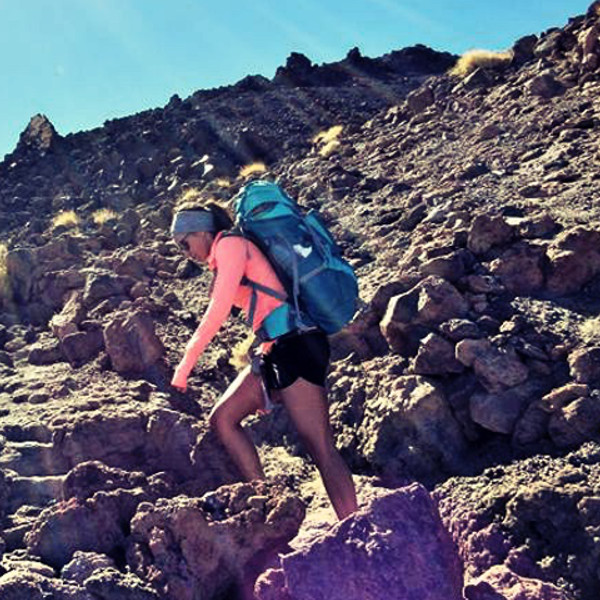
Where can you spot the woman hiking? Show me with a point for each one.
(292, 368)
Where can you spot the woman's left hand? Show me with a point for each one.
(180, 377)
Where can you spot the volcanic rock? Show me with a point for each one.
(40, 135)
(435, 357)
(496, 368)
(410, 430)
(111, 584)
(574, 257)
(486, 232)
(520, 268)
(382, 551)
(430, 302)
(575, 422)
(584, 364)
(210, 543)
(20, 584)
(500, 411)
(131, 343)
(84, 564)
(501, 582)
(420, 99)
(97, 524)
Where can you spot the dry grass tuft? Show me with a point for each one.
(256, 168)
(328, 135)
(240, 357)
(66, 218)
(190, 198)
(474, 59)
(329, 148)
(223, 182)
(102, 215)
(589, 331)
(5, 289)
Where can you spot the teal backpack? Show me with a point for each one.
(322, 289)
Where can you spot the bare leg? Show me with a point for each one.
(242, 398)
(307, 406)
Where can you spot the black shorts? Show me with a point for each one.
(296, 355)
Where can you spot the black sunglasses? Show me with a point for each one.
(183, 244)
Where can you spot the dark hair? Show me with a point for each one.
(222, 216)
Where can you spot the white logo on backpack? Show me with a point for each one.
(302, 251)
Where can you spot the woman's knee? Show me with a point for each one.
(220, 420)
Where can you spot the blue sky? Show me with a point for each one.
(81, 62)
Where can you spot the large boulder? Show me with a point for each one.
(420, 99)
(520, 268)
(89, 477)
(21, 268)
(496, 368)
(584, 364)
(21, 584)
(131, 343)
(196, 548)
(72, 314)
(545, 85)
(117, 438)
(436, 357)
(111, 584)
(171, 440)
(396, 547)
(500, 411)
(502, 583)
(54, 286)
(574, 257)
(85, 564)
(487, 231)
(538, 517)
(40, 135)
(98, 524)
(576, 422)
(101, 286)
(410, 315)
(82, 346)
(409, 429)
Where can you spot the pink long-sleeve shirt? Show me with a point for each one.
(232, 257)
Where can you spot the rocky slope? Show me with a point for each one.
(465, 395)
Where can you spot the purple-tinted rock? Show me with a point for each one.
(500, 583)
(110, 584)
(84, 564)
(190, 544)
(21, 584)
(384, 551)
(576, 422)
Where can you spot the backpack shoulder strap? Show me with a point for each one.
(254, 285)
